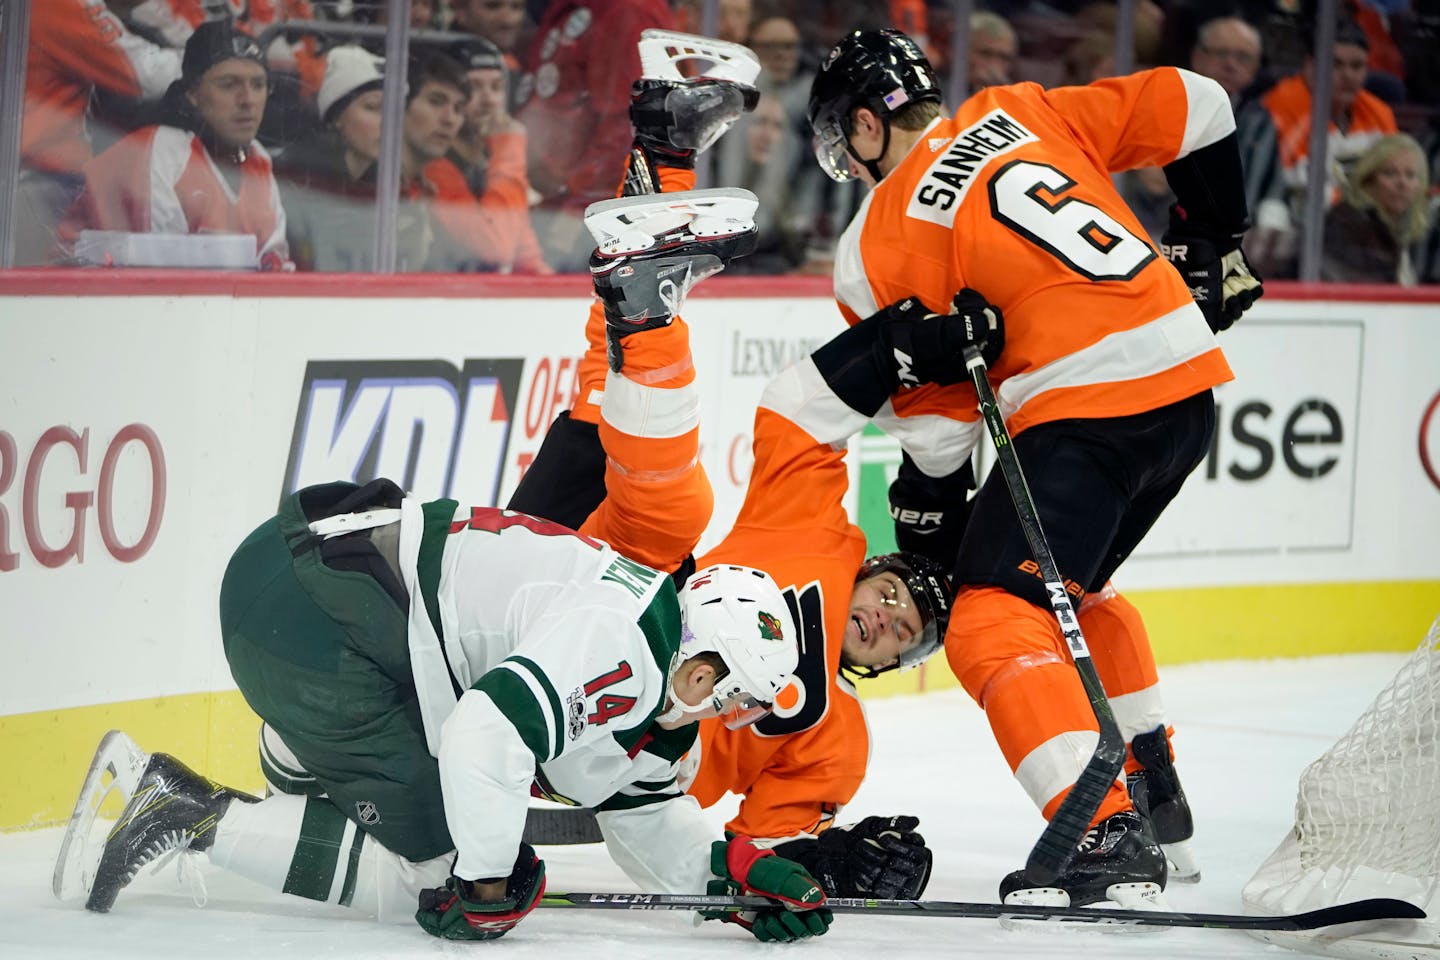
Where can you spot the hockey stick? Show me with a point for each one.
(1057, 843)
(1375, 909)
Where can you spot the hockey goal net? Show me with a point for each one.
(1367, 824)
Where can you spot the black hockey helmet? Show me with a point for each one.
(929, 587)
(882, 70)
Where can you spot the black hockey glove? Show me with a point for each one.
(1214, 268)
(879, 857)
(930, 512)
(923, 347)
(449, 911)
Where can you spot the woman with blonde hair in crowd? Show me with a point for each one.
(1371, 236)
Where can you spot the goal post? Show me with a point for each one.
(1367, 824)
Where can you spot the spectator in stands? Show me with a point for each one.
(777, 44)
(1228, 50)
(993, 49)
(327, 180)
(175, 20)
(1373, 234)
(1088, 59)
(779, 246)
(75, 47)
(490, 153)
(732, 19)
(499, 21)
(576, 108)
(1357, 118)
(201, 170)
(440, 227)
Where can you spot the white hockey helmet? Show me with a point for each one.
(740, 614)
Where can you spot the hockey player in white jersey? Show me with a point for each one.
(422, 668)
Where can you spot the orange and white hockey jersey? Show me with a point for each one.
(1012, 196)
(797, 767)
(162, 180)
(75, 47)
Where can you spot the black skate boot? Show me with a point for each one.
(1156, 792)
(1118, 861)
(652, 250)
(173, 810)
(677, 117)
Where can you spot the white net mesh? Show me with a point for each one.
(1367, 822)
(1373, 799)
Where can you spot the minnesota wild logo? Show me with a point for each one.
(770, 626)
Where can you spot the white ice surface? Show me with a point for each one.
(1246, 730)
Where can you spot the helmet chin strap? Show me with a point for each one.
(872, 167)
(679, 710)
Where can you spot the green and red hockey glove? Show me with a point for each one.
(450, 913)
(745, 869)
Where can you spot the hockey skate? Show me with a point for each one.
(1157, 794)
(1117, 862)
(111, 781)
(173, 811)
(676, 117)
(652, 250)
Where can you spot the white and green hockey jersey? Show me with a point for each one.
(540, 659)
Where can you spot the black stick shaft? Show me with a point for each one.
(1375, 909)
(1053, 851)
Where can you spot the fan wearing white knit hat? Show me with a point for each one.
(350, 100)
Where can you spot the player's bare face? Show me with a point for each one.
(231, 98)
(884, 622)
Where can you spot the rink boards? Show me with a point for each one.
(147, 424)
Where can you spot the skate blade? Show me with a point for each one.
(1125, 896)
(1184, 865)
(115, 769)
(628, 225)
(662, 52)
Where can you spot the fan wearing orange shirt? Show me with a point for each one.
(623, 466)
(998, 227)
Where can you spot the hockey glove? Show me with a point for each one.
(879, 857)
(449, 911)
(924, 347)
(1214, 267)
(744, 868)
(930, 512)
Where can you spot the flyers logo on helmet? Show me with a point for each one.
(770, 627)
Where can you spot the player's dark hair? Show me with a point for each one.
(713, 659)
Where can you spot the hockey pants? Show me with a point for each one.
(1098, 486)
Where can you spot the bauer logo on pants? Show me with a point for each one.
(435, 429)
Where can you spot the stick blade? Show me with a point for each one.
(1376, 908)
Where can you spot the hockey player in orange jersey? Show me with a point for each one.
(998, 227)
(797, 767)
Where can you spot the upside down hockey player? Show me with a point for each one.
(796, 768)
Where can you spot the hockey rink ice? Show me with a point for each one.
(1245, 730)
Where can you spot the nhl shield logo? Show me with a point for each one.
(367, 813)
